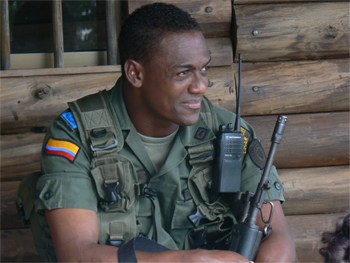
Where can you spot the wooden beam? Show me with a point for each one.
(267, 88)
(310, 140)
(307, 231)
(276, 32)
(308, 191)
(35, 101)
(317, 190)
(111, 22)
(5, 35)
(57, 22)
(17, 244)
(293, 87)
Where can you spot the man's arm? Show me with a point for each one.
(75, 235)
(279, 246)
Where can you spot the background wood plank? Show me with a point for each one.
(317, 190)
(310, 140)
(278, 32)
(307, 231)
(21, 109)
(17, 244)
(294, 87)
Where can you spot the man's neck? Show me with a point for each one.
(142, 124)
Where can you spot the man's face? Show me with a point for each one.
(176, 79)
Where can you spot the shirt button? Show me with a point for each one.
(48, 194)
(278, 186)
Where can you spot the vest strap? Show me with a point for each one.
(98, 127)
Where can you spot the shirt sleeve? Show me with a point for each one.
(65, 180)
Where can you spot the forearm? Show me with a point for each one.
(277, 249)
(188, 256)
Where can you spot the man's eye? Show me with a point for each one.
(204, 69)
(183, 73)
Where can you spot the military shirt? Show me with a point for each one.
(67, 182)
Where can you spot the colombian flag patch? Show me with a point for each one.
(62, 148)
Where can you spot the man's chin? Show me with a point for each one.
(190, 121)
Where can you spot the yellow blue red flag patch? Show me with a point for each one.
(62, 148)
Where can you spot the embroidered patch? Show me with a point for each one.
(257, 153)
(62, 148)
(201, 133)
(246, 136)
(69, 118)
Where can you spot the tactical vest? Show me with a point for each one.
(120, 187)
(120, 194)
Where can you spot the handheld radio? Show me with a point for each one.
(229, 151)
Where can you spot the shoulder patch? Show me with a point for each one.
(246, 137)
(257, 153)
(68, 117)
(62, 148)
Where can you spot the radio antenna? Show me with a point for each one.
(238, 96)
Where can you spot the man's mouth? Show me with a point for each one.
(193, 104)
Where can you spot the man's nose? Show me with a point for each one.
(200, 83)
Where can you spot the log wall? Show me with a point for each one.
(296, 63)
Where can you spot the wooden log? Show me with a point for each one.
(310, 140)
(17, 245)
(307, 231)
(20, 155)
(275, 32)
(214, 17)
(5, 36)
(111, 26)
(316, 190)
(10, 218)
(293, 87)
(267, 88)
(57, 22)
(34, 101)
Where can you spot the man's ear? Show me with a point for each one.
(134, 72)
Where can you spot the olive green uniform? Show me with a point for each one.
(161, 210)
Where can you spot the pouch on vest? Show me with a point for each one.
(116, 185)
(212, 221)
(115, 179)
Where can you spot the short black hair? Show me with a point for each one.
(147, 25)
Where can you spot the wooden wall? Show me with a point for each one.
(296, 63)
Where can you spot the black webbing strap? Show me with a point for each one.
(127, 252)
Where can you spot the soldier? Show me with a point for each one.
(137, 160)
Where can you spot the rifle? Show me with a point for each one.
(246, 235)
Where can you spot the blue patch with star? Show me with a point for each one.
(69, 118)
